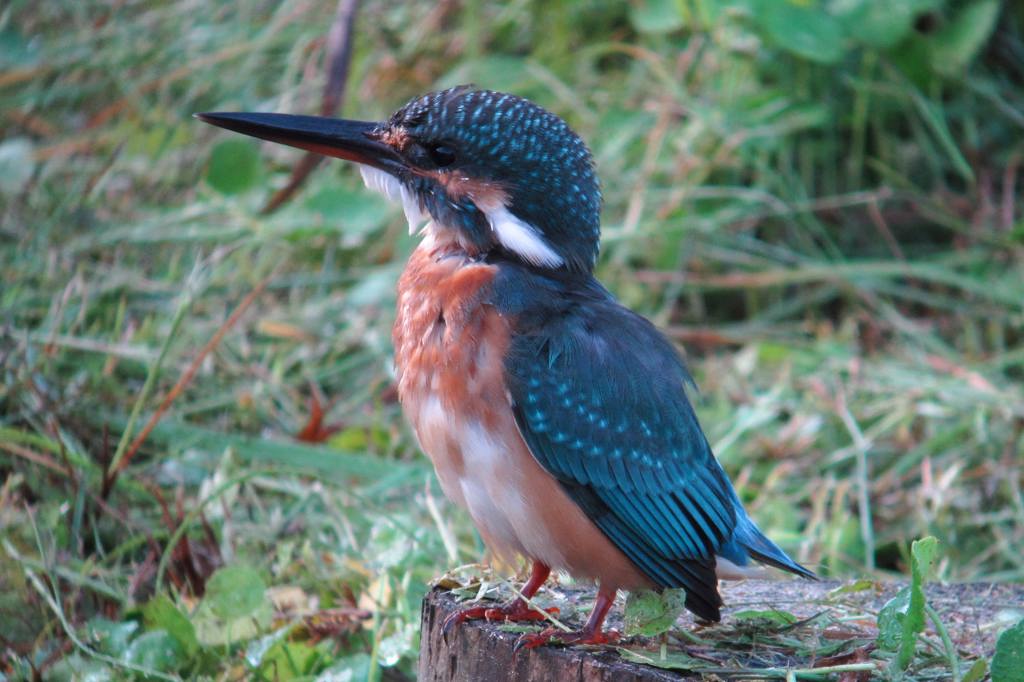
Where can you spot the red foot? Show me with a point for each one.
(592, 632)
(515, 611)
(551, 635)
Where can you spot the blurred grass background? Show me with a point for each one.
(819, 200)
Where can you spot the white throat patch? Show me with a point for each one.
(387, 184)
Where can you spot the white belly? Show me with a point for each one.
(490, 483)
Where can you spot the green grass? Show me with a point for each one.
(837, 239)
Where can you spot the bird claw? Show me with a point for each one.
(532, 640)
(461, 616)
(519, 611)
(515, 611)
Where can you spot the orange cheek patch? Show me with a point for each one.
(487, 195)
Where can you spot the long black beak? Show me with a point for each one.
(351, 140)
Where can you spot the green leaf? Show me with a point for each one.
(288, 660)
(1008, 662)
(212, 630)
(880, 24)
(354, 438)
(890, 620)
(956, 45)
(235, 592)
(234, 166)
(655, 16)
(352, 214)
(804, 29)
(234, 609)
(771, 615)
(902, 619)
(923, 553)
(156, 650)
(110, 637)
(922, 556)
(856, 586)
(161, 614)
(672, 660)
(649, 613)
(77, 668)
(913, 58)
(354, 668)
(976, 672)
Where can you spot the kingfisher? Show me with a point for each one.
(558, 418)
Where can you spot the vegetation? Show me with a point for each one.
(819, 200)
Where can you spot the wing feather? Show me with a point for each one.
(602, 405)
(599, 396)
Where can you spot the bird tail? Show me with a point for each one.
(756, 545)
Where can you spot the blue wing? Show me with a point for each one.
(600, 398)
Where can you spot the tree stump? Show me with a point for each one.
(836, 628)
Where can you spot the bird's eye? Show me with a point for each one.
(441, 154)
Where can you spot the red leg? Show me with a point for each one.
(590, 634)
(515, 610)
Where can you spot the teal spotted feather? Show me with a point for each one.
(600, 399)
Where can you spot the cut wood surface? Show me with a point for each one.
(834, 629)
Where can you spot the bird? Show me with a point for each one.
(557, 417)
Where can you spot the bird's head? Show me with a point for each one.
(493, 172)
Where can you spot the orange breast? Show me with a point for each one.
(449, 353)
(449, 348)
